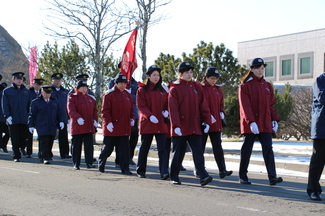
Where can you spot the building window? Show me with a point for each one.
(269, 70)
(286, 67)
(305, 65)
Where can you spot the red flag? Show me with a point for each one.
(129, 60)
(32, 64)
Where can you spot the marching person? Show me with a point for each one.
(61, 94)
(117, 116)
(15, 105)
(45, 114)
(258, 119)
(152, 105)
(35, 92)
(3, 126)
(83, 114)
(187, 107)
(214, 97)
(317, 160)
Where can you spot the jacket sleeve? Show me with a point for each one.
(173, 108)
(5, 105)
(132, 107)
(205, 111)
(142, 103)
(106, 108)
(32, 114)
(274, 114)
(244, 104)
(222, 102)
(95, 112)
(72, 111)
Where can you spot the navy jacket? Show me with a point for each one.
(33, 95)
(318, 109)
(45, 116)
(2, 118)
(62, 97)
(15, 103)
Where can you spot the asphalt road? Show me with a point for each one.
(31, 188)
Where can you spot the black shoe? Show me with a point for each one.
(165, 176)
(5, 150)
(206, 180)
(102, 171)
(94, 159)
(28, 156)
(16, 160)
(131, 162)
(126, 172)
(141, 175)
(182, 168)
(274, 181)
(23, 152)
(89, 166)
(225, 173)
(117, 166)
(176, 182)
(65, 157)
(315, 196)
(46, 162)
(242, 181)
(76, 168)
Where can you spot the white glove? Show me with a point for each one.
(9, 120)
(80, 121)
(207, 128)
(165, 113)
(178, 131)
(110, 127)
(128, 90)
(95, 123)
(153, 119)
(213, 120)
(132, 122)
(275, 126)
(222, 115)
(254, 128)
(61, 124)
(31, 130)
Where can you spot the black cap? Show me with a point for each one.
(82, 83)
(57, 76)
(38, 81)
(212, 71)
(18, 75)
(121, 78)
(184, 66)
(47, 88)
(256, 62)
(153, 68)
(82, 77)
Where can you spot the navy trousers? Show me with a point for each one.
(146, 140)
(45, 142)
(120, 142)
(215, 138)
(76, 146)
(316, 166)
(18, 134)
(179, 149)
(267, 150)
(63, 141)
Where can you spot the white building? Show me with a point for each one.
(295, 58)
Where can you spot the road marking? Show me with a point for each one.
(250, 209)
(20, 170)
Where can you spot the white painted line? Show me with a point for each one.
(28, 171)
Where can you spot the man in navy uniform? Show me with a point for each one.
(35, 91)
(61, 94)
(45, 114)
(15, 105)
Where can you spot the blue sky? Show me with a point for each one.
(217, 21)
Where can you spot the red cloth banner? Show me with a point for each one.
(32, 64)
(129, 60)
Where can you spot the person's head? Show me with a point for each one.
(38, 82)
(82, 77)
(46, 91)
(257, 67)
(121, 82)
(17, 78)
(57, 79)
(153, 74)
(185, 71)
(82, 87)
(211, 75)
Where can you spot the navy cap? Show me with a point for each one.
(47, 88)
(82, 77)
(184, 66)
(212, 71)
(121, 78)
(82, 83)
(153, 68)
(57, 76)
(38, 81)
(256, 62)
(18, 75)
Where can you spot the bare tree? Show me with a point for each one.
(97, 24)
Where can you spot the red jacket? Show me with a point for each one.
(214, 97)
(117, 108)
(82, 106)
(152, 103)
(187, 108)
(257, 102)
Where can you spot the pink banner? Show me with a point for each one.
(32, 64)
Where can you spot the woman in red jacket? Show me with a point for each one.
(258, 119)
(214, 97)
(152, 105)
(83, 120)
